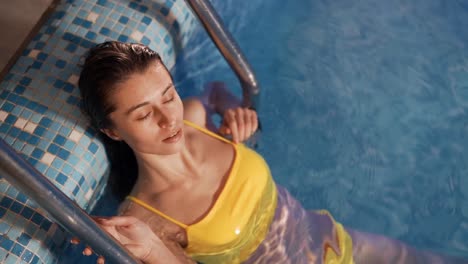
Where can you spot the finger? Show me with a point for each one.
(87, 251)
(230, 120)
(74, 241)
(123, 220)
(139, 251)
(240, 119)
(224, 130)
(248, 123)
(254, 120)
(100, 260)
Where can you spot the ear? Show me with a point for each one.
(111, 133)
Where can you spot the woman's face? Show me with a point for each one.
(148, 113)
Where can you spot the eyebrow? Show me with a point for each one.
(133, 108)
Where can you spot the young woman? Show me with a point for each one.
(189, 194)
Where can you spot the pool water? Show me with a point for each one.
(364, 108)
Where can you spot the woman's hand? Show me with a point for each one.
(239, 122)
(136, 236)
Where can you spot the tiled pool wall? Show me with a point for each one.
(40, 116)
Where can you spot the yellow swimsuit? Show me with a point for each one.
(240, 217)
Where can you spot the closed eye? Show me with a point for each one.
(144, 117)
(170, 100)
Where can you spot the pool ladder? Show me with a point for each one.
(28, 180)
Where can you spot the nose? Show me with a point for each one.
(167, 120)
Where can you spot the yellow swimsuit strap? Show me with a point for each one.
(156, 211)
(206, 131)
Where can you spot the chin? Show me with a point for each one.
(169, 149)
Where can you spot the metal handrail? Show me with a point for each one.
(229, 49)
(68, 214)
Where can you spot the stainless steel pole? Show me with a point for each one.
(68, 214)
(229, 49)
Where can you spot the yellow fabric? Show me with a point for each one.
(345, 254)
(240, 218)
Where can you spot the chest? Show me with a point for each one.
(192, 201)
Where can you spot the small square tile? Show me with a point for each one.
(47, 158)
(20, 123)
(3, 115)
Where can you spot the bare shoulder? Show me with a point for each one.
(194, 111)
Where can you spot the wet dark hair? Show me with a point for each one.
(106, 65)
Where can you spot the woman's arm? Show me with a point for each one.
(217, 98)
(238, 122)
(142, 242)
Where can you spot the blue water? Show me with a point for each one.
(364, 108)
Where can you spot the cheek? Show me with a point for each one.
(180, 107)
(138, 134)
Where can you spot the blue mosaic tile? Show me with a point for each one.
(53, 149)
(16, 111)
(57, 164)
(6, 202)
(88, 157)
(46, 224)
(93, 147)
(26, 114)
(27, 212)
(30, 229)
(33, 140)
(60, 64)
(60, 140)
(23, 136)
(35, 260)
(51, 173)
(21, 197)
(16, 207)
(24, 239)
(27, 256)
(123, 20)
(4, 94)
(146, 20)
(4, 128)
(61, 178)
(3, 211)
(11, 259)
(73, 159)
(133, 5)
(6, 243)
(17, 249)
(41, 167)
(31, 161)
(37, 218)
(39, 131)
(63, 154)
(4, 227)
(142, 8)
(14, 131)
(37, 153)
(75, 191)
(68, 87)
(19, 89)
(7, 107)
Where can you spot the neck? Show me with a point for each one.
(161, 173)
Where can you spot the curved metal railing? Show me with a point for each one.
(28, 180)
(229, 49)
(67, 213)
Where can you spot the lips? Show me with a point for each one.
(174, 137)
